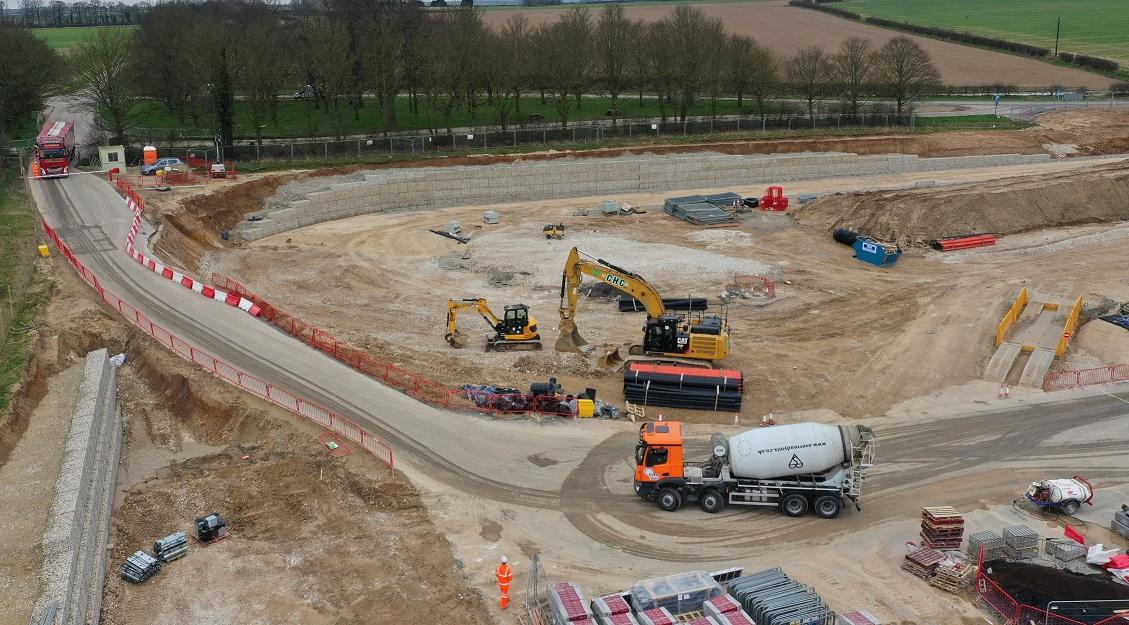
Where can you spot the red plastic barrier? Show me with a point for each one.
(224, 371)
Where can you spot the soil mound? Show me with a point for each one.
(917, 216)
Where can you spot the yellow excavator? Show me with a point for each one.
(666, 335)
(514, 330)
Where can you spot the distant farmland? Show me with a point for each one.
(786, 30)
(1094, 27)
(64, 38)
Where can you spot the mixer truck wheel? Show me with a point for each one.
(828, 507)
(1069, 507)
(669, 499)
(794, 504)
(712, 501)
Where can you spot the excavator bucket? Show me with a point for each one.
(570, 340)
(611, 359)
(457, 340)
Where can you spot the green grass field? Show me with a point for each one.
(18, 305)
(299, 118)
(63, 39)
(1094, 27)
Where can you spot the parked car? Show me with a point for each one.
(171, 163)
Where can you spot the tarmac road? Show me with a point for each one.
(959, 458)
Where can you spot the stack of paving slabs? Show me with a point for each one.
(1064, 549)
(942, 527)
(952, 575)
(567, 602)
(171, 547)
(726, 611)
(1020, 542)
(923, 562)
(613, 610)
(992, 543)
(656, 616)
(140, 567)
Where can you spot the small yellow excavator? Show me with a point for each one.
(513, 331)
(665, 336)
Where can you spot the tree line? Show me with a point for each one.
(197, 60)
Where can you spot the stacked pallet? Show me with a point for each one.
(171, 547)
(139, 567)
(683, 387)
(656, 616)
(991, 542)
(1020, 542)
(952, 576)
(613, 610)
(567, 602)
(942, 527)
(1065, 549)
(699, 210)
(923, 562)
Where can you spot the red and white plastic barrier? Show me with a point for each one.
(136, 204)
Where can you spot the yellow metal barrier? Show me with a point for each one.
(1069, 327)
(1011, 316)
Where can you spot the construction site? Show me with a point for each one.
(844, 381)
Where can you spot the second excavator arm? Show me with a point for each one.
(576, 267)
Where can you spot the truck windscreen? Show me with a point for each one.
(53, 153)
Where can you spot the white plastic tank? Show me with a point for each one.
(787, 450)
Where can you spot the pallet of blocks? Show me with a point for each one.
(942, 527)
(923, 562)
(568, 604)
(952, 576)
(991, 542)
(1064, 549)
(613, 610)
(656, 616)
(1020, 542)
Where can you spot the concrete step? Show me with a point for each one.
(1037, 366)
(1001, 362)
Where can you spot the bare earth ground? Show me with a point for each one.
(315, 539)
(844, 337)
(786, 30)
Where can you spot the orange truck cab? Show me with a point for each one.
(658, 458)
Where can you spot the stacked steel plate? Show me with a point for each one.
(683, 387)
(171, 547)
(771, 598)
(700, 210)
(942, 527)
(139, 567)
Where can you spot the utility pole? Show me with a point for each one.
(1058, 29)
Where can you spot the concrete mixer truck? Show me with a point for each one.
(796, 467)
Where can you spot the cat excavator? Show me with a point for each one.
(666, 336)
(513, 331)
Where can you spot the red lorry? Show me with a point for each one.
(55, 150)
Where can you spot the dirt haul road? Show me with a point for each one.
(564, 488)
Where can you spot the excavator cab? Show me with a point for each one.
(515, 321)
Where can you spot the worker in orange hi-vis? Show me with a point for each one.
(505, 575)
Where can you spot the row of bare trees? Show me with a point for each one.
(198, 59)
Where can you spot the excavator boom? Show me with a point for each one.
(665, 333)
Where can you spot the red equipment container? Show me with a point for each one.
(774, 199)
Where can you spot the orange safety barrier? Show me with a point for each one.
(1012, 315)
(260, 388)
(1078, 378)
(1069, 327)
